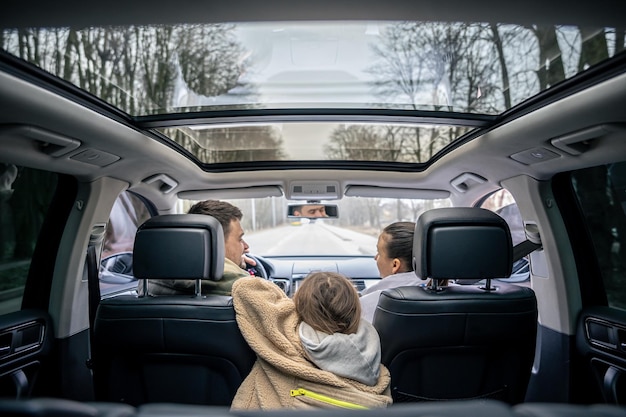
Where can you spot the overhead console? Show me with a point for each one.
(314, 190)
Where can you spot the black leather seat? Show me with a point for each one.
(178, 348)
(465, 341)
(58, 407)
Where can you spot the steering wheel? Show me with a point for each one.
(259, 269)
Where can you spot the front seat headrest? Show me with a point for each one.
(462, 243)
(179, 246)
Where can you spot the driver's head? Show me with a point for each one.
(229, 217)
(328, 302)
(311, 210)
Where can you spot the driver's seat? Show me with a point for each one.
(174, 348)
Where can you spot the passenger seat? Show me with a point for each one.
(464, 341)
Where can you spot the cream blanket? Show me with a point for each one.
(269, 323)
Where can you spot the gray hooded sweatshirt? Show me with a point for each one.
(355, 356)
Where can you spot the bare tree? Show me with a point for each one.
(158, 67)
(241, 144)
(400, 67)
(359, 213)
(354, 143)
(498, 43)
(424, 66)
(372, 143)
(211, 60)
(389, 143)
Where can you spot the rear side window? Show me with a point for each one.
(25, 196)
(502, 203)
(116, 266)
(601, 194)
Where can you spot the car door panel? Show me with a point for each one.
(26, 340)
(601, 343)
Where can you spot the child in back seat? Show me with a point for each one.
(312, 351)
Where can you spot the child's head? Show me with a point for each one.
(328, 302)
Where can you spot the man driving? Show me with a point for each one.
(310, 210)
(235, 248)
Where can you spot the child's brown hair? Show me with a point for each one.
(328, 302)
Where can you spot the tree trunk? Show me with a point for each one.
(506, 91)
(551, 69)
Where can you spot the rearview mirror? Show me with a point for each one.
(313, 211)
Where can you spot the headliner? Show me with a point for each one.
(40, 13)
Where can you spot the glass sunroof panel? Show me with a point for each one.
(314, 141)
(456, 67)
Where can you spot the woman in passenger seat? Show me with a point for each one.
(313, 351)
(394, 259)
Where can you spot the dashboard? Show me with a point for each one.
(288, 271)
(116, 276)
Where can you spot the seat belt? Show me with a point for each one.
(524, 248)
(93, 282)
(531, 244)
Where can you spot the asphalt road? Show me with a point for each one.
(310, 239)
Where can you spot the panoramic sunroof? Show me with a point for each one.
(465, 68)
(315, 141)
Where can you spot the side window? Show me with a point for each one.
(503, 203)
(25, 196)
(116, 265)
(601, 193)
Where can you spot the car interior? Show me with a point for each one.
(500, 130)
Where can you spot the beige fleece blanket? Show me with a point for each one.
(269, 323)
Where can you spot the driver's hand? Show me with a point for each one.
(245, 261)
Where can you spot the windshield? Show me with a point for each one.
(269, 232)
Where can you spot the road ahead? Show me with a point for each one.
(310, 239)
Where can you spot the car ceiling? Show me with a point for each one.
(17, 13)
(31, 114)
